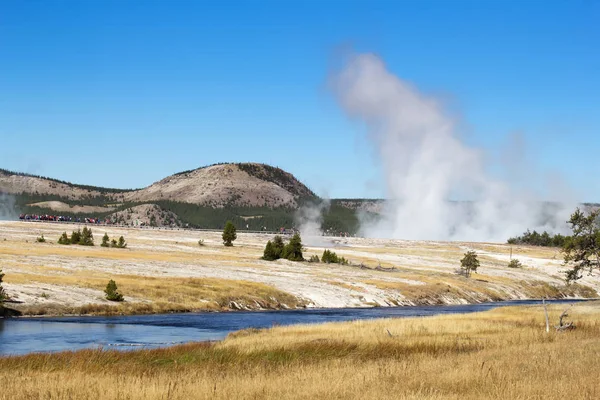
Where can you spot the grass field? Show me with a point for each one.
(500, 354)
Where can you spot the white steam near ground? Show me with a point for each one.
(437, 185)
(7, 207)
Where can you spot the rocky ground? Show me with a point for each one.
(381, 272)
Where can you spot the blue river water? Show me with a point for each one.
(29, 335)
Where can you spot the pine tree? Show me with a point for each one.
(87, 239)
(111, 292)
(269, 253)
(64, 239)
(469, 263)
(278, 246)
(121, 244)
(293, 250)
(229, 234)
(76, 236)
(582, 250)
(105, 241)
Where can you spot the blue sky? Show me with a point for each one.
(124, 93)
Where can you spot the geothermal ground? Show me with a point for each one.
(167, 270)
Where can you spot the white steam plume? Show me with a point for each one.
(7, 207)
(427, 165)
(309, 219)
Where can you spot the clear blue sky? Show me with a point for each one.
(124, 93)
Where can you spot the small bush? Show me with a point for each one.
(330, 257)
(514, 263)
(314, 259)
(41, 239)
(64, 239)
(201, 242)
(111, 292)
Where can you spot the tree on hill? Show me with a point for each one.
(582, 249)
(87, 239)
(105, 240)
(229, 234)
(2, 292)
(469, 263)
(293, 250)
(111, 292)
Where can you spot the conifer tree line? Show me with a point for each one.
(107, 242)
(278, 249)
(83, 237)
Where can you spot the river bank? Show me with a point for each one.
(167, 271)
(498, 354)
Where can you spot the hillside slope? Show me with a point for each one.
(221, 185)
(242, 185)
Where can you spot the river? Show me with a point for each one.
(29, 335)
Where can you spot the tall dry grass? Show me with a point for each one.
(501, 354)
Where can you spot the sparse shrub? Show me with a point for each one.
(314, 259)
(200, 242)
(113, 243)
(514, 263)
(111, 292)
(41, 239)
(105, 241)
(44, 295)
(229, 234)
(330, 257)
(64, 239)
(469, 263)
(293, 250)
(76, 236)
(87, 239)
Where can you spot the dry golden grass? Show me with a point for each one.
(165, 294)
(501, 354)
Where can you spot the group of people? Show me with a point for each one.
(58, 218)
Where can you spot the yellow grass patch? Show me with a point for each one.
(501, 354)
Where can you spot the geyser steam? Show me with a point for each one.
(427, 166)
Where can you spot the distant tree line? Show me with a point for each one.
(544, 239)
(75, 185)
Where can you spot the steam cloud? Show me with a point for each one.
(427, 166)
(7, 207)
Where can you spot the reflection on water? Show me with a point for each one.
(27, 335)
